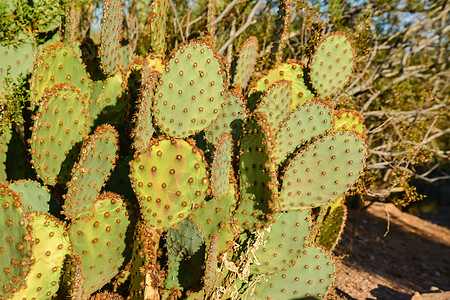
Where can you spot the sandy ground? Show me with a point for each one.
(389, 254)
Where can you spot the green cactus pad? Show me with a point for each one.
(58, 64)
(99, 241)
(59, 123)
(332, 64)
(98, 156)
(311, 278)
(349, 120)
(34, 196)
(15, 63)
(292, 72)
(214, 217)
(211, 274)
(210, 25)
(51, 245)
(15, 244)
(110, 53)
(275, 104)
(284, 242)
(332, 226)
(189, 92)
(169, 180)
(105, 93)
(158, 19)
(72, 23)
(144, 130)
(5, 137)
(245, 63)
(231, 116)
(221, 169)
(307, 121)
(144, 265)
(182, 241)
(258, 182)
(323, 171)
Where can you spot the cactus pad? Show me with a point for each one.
(304, 123)
(144, 268)
(105, 93)
(189, 92)
(15, 63)
(214, 217)
(221, 169)
(292, 72)
(111, 33)
(245, 63)
(310, 277)
(5, 137)
(158, 19)
(15, 244)
(99, 241)
(275, 104)
(332, 226)
(231, 116)
(51, 245)
(169, 180)
(258, 182)
(53, 135)
(144, 119)
(98, 156)
(34, 196)
(58, 64)
(284, 242)
(332, 64)
(349, 120)
(182, 241)
(323, 171)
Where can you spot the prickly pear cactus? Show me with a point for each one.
(98, 155)
(34, 196)
(52, 136)
(234, 172)
(51, 245)
(190, 91)
(245, 63)
(15, 244)
(332, 64)
(5, 137)
(323, 171)
(292, 72)
(98, 241)
(310, 277)
(169, 180)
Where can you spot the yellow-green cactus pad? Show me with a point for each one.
(169, 180)
(15, 243)
(51, 245)
(292, 72)
(99, 242)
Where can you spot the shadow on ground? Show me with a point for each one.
(388, 254)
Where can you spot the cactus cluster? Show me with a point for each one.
(238, 179)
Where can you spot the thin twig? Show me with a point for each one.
(240, 30)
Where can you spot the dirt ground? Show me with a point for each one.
(389, 254)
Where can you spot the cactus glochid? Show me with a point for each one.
(229, 182)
